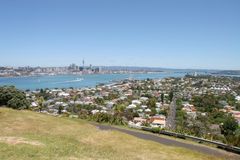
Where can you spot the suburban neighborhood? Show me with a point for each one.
(176, 104)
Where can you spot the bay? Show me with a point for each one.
(79, 81)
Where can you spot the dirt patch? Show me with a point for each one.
(19, 140)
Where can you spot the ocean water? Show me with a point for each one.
(78, 81)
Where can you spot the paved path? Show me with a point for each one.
(172, 142)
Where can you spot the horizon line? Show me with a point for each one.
(127, 66)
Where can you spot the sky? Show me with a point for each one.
(186, 34)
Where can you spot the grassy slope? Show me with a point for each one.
(64, 138)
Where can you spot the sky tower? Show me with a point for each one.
(83, 63)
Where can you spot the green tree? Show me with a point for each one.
(18, 102)
(13, 98)
(99, 101)
(181, 120)
(152, 102)
(40, 103)
(171, 96)
(119, 108)
(206, 103)
(60, 108)
(217, 117)
(162, 98)
(229, 126)
(237, 106)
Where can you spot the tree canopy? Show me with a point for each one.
(13, 98)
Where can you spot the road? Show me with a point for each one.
(172, 142)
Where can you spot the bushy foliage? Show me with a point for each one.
(206, 103)
(107, 118)
(130, 114)
(43, 93)
(229, 126)
(111, 96)
(156, 130)
(162, 98)
(152, 105)
(171, 96)
(217, 117)
(237, 106)
(99, 101)
(13, 98)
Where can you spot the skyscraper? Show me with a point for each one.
(83, 62)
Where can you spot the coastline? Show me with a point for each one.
(89, 80)
(82, 74)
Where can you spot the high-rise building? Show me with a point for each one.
(83, 62)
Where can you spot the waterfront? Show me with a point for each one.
(79, 81)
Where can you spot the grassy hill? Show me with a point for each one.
(29, 135)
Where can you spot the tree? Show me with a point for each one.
(99, 101)
(40, 103)
(153, 112)
(13, 98)
(171, 96)
(119, 108)
(130, 114)
(152, 105)
(164, 112)
(108, 118)
(217, 117)
(43, 93)
(181, 120)
(229, 126)
(6, 94)
(18, 103)
(162, 98)
(60, 108)
(206, 103)
(237, 106)
(152, 102)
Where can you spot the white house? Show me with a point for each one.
(34, 104)
(158, 105)
(144, 99)
(136, 102)
(95, 111)
(63, 94)
(144, 106)
(147, 110)
(237, 98)
(131, 106)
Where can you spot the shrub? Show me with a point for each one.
(155, 129)
(13, 98)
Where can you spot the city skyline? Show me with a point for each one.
(167, 34)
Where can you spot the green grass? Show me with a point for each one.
(37, 136)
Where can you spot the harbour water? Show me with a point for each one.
(79, 81)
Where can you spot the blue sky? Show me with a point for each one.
(156, 33)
